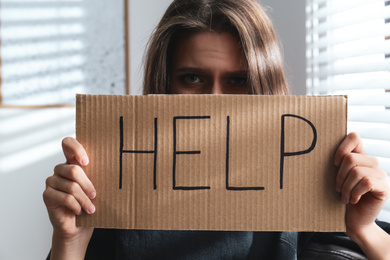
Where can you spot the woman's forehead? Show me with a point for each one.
(208, 49)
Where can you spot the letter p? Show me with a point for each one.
(282, 139)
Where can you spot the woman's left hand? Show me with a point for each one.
(362, 184)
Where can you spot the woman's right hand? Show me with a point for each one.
(68, 193)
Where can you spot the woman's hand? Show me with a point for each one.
(364, 189)
(68, 193)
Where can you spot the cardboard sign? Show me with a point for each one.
(213, 162)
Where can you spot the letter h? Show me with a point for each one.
(122, 151)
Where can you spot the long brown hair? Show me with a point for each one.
(246, 18)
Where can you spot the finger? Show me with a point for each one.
(351, 143)
(76, 174)
(72, 188)
(378, 188)
(354, 177)
(74, 152)
(350, 161)
(364, 176)
(54, 199)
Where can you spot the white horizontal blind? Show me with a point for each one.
(348, 52)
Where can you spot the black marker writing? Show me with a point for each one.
(175, 152)
(228, 187)
(284, 154)
(122, 151)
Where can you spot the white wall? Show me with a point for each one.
(30, 139)
(288, 18)
(144, 16)
(30, 146)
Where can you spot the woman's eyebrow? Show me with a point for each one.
(191, 70)
(240, 73)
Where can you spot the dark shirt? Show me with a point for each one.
(155, 244)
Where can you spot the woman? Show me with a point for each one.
(212, 47)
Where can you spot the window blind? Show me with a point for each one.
(348, 52)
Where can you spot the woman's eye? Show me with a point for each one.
(238, 81)
(190, 78)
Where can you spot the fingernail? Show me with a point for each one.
(84, 160)
(91, 209)
(92, 195)
(344, 200)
